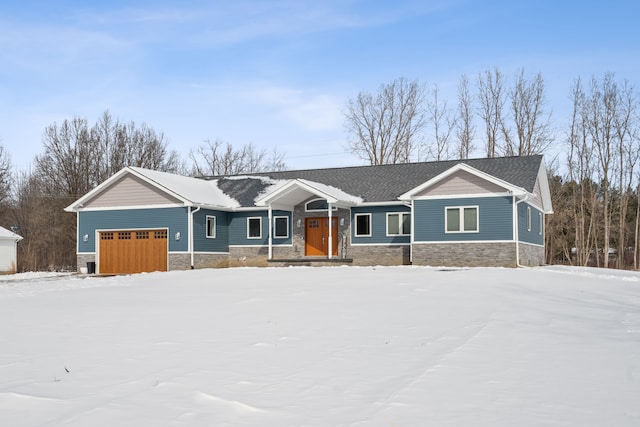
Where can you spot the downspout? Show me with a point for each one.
(191, 237)
(270, 219)
(411, 239)
(516, 227)
(330, 241)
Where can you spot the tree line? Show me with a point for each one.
(595, 182)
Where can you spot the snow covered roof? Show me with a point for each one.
(8, 235)
(293, 191)
(193, 190)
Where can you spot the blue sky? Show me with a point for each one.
(278, 73)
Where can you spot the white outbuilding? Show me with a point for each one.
(8, 250)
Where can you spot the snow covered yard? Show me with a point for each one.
(344, 346)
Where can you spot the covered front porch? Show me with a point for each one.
(320, 223)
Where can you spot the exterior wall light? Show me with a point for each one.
(85, 238)
(178, 235)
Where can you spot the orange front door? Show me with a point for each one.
(317, 236)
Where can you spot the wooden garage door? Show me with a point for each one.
(124, 252)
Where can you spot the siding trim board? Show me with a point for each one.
(464, 196)
(458, 242)
(131, 208)
(380, 244)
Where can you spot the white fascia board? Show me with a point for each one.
(77, 205)
(292, 186)
(543, 182)
(466, 168)
(389, 203)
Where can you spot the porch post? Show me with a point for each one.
(330, 230)
(270, 228)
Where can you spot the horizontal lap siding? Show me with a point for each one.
(378, 225)
(238, 228)
(495, 219)
(201, 242)
(175, 219)
(535, 235)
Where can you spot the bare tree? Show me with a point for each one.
(601, 107)
(384, 127)
(491, 98)
(583, 191)
(215, 158)
(5, 175)
(443, 123)
(531, 120)
(628, 154)
(143, 147)
(465, 130)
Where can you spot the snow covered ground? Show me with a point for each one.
(340, 346)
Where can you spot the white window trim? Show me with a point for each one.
(206, 226)
(528, 218)
(259, 218)
(401, 222)
(355, 225)
(541, 223)
(306, 209)
(461, 219)
(275, 236)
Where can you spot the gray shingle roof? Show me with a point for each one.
(384, 183)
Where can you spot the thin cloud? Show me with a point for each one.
(315, 112)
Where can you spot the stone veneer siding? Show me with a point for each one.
(467, 254)
(83, 259)
(380, 255)
(531, 255)
(183, 261)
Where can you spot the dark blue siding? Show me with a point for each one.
(200, 241)
(175, 219)
(535, 235)
(378, 225)
(238, 228)
(495, 219)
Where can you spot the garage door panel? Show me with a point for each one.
(133, 251)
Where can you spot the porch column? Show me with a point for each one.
(330, 208)
(270, 228)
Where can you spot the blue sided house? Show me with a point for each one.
(478, 212)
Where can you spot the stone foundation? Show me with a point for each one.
(183, 261)
(531, 255)
(248, 256)
(380, 255)
(468, 254)
(83, 259)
